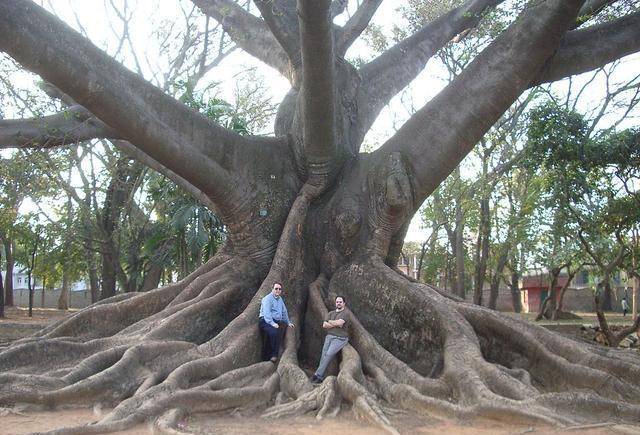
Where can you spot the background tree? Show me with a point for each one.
(583, 190)
(307, 209)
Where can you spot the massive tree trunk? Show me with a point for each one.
(307, 209)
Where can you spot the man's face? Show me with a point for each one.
(277, 290)
(339, 303)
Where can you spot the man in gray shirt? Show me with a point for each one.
(337, 326)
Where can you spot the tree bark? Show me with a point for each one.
(614, 339)
(459, 251)
(2, 304)
(31, 290)
(515, 292)
(63, 299)
(560, 308)
(10, 264)
(497, 277)
(636, 293)
(152, 277)
(92, 270)
(607, 297)
(119, 193)
(548, 305)
(42, 295)
(482, 251)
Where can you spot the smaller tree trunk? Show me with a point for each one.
(607, 304)
(449, 278)
(613, 339)
(560, 308)
(548, 306)
(30, 287)
(515, 292)
(92, 268)
(482, 250)
(8, 279)
(63, 300)
(636, 280)
(1, 297)
(44, 285)
(423, 252)
(634, 302)
(497, 276)
(459, 240)
(32, 266)
(109, 272)
(152, 277)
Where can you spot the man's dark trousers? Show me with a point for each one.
(271, 342)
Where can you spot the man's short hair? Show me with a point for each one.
(276, 283)
(342, 297)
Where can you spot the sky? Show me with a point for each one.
(151, 16)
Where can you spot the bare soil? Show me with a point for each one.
(29, 421)
(42, 316)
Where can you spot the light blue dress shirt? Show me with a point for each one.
(273, 310)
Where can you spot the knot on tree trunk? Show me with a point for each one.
(392, 201)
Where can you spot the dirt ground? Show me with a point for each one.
(16, 421)
(30, 421)
(42, 316)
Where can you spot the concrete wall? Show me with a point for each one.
(579, 300)
(503, 303)
(77, 299)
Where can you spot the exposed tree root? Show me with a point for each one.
(492, 365)
(324, 398)
(196, 349)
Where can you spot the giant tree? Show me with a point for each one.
(306, 208)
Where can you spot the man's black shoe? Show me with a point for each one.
(316, 380)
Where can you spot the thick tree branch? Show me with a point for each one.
(440, 134)
(143, 158)
(392, 71)
(338, 7)
(355, 26)
(587, 49)
(249, 32)
(160, 126)
(318, 91)
(282, 19)
(68, 127)
(217, 161)
(587, 248)
(622, 251)
(127, 147)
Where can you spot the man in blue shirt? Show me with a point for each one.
(273, 315)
